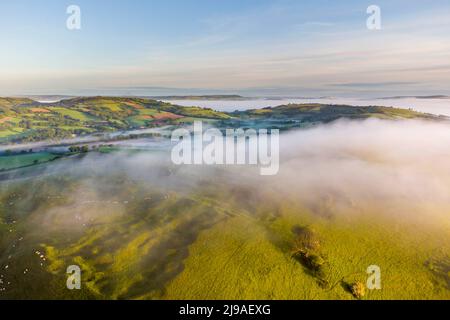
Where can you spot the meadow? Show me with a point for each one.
(8, 162)
(26, 120)
(141, 228)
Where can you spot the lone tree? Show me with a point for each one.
(306, 250)
(358, 290)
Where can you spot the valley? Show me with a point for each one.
(142, 228)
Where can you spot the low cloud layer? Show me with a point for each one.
(396, 169)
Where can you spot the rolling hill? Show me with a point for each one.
(26, 120)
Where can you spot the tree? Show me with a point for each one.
(358, 290)
(74, 149)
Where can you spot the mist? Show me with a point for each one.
(396, 168)
(401, 168)
(394, 175)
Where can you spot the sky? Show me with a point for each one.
(249, 47)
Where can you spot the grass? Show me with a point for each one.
(108, 149)
(138, 120)
(256, 253)
(74, 114)
(150, 115)
(140, 239)
(7, 133)
(38, 121)
(23, 160)
(259, 264)
(79, 128)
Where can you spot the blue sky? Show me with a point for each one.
(212, 46)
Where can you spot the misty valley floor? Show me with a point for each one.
(141, 228)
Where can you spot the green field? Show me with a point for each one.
(8, 133)
(135, 237)
(77, 115)
(24, 120)
(347, 197)
(23, 160)
(259, 263)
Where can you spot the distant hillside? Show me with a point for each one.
(43, 98)
(417, 97)
(203, 97)
(7, 104)
(327, 113)
(25, 120)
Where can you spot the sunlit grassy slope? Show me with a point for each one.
(24, 120)
(22, 160)
(326, 113)
(140, 239)
(252, 264)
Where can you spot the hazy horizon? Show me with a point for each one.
(262, 48)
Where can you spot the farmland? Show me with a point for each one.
(23, 160)
(25, 120)
(140, 227)
(137, 238)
